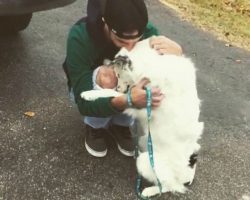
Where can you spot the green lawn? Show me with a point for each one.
(229, 20)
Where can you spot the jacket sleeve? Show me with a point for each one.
(80, 59)
(150, 31)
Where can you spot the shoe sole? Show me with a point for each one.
(94, 153)
(125, 152)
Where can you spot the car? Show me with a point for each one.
(15, 15)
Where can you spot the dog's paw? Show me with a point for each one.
(88, 96)
(191, 174)
(92, 95)
(151, 191)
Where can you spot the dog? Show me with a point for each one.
(175, 126)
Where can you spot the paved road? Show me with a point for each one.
(43, 157)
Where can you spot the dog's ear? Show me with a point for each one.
(130, 66)
(106, 62)
(128, 62)
(109, 63)
(120, 61)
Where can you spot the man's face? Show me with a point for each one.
(126, 43)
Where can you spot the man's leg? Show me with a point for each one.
(95, 135)
(95, 132)
(120, 130)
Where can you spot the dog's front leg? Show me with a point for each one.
(92, 95)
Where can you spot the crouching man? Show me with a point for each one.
(91, 40)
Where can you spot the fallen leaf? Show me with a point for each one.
(238, 61)
(29, 114)
(228, 45)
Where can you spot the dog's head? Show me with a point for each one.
(123, 69)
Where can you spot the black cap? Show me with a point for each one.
(123, 16)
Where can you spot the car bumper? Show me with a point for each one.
(15, 7)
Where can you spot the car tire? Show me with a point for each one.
(13, 23)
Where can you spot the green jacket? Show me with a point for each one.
(83, 56)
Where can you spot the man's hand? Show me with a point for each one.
(106, 78)
(164, 45)
(139, 96)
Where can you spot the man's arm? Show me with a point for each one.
(80, 57)
(138, 93)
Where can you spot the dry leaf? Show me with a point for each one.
(228, 45)
(29, 114)
(238, 61)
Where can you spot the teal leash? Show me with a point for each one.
(149, 145)
(138, 176)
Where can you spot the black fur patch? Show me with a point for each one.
(193, 159)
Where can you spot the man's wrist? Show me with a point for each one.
(120, 102)
(129, 98)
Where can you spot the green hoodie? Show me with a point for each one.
(82, 58)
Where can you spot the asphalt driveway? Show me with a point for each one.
(43, 157)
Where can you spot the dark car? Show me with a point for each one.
(15, 15)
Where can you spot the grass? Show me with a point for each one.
(229, 20)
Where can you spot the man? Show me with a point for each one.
(99, 37)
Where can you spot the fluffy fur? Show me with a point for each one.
(175, 128)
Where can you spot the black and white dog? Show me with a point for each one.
(175, 126)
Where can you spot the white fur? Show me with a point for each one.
(175, 127)
(92, 95)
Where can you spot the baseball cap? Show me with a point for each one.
(124, 16)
